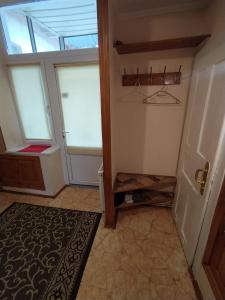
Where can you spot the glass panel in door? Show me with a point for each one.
(81, 110)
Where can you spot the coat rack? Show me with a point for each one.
(165, 78)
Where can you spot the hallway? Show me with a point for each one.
(141, 259)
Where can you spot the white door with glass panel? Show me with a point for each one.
(81, 113)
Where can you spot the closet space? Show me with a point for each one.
(132, 190)
(151, 69)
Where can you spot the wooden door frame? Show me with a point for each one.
(104, 60)
(218, 218)
(2, 142)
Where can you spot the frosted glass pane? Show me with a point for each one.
(80, 94)
(30, 98)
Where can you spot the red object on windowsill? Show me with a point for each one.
(35, 148)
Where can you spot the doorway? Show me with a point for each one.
(79, 96)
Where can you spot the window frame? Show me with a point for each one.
(4, 36)
(47, 61)
(71, 36)
(47, 106)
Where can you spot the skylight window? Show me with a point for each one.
(51, 25)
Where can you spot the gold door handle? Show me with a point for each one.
(199, 173)
(201, 177)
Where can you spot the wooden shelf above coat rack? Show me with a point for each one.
(178, 43)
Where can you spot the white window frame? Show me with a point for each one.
(47, 61)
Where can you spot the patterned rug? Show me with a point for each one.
(43, 251)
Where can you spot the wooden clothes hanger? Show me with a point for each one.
(161, 97)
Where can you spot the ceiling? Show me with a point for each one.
(158, 6)
(63, 18)
(79, 17)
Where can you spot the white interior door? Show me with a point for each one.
(206, 112)
(81, 112)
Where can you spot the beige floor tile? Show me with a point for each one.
(141, 259)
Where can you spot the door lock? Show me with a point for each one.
(201, 177)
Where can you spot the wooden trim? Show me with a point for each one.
(2, 142)
(21, 171)
(164, 78)
(178, 43)
(198, 292)
(216, 227)
(103, 35)
(213, 282)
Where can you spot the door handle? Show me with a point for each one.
(64, 133)
(201, 177)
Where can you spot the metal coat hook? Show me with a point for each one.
(138, 78)
(137, 72)
(179, 71)
(164, 77)
(164, 74)
(151, 75)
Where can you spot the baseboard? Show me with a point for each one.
(196, 286)
(33, 194)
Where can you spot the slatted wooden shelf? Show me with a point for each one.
(150, 190)
(127, 182)
(168, 44)
(151, 198)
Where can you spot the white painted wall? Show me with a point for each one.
(173, 25)
(146, 139)
(8, 117)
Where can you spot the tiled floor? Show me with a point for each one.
(141, 260)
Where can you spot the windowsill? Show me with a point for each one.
(17, 149)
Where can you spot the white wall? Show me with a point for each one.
(146, 139)
(8, 117)
(173, 25)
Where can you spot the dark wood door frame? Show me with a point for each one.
(103, 34)
(2, 142)
(217, 228)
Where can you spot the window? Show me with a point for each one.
(81, 42)
(16, 33)
(31, 101)
(45, 39)
(80, 96)
(49, 25)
